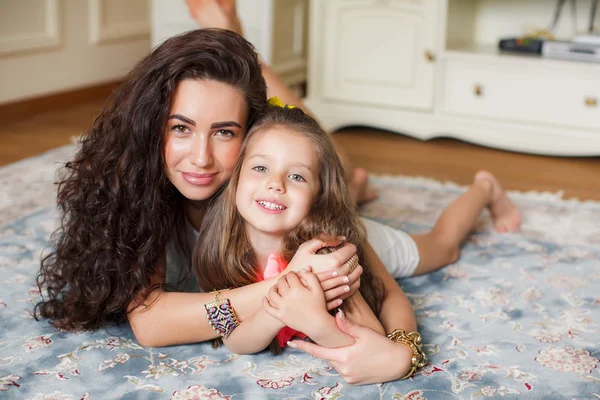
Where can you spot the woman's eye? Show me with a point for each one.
(260, 168)
(180, 129)
(224, 132)
(296, 177)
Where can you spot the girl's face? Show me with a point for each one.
(204, 133)
(278, 182)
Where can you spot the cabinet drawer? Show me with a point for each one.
(510, 92)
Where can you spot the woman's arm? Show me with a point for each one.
(360, 313)
(170, 318)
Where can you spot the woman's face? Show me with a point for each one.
(204, 133)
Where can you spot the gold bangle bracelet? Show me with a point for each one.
(411, 340)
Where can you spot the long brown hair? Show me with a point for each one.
(118, 206)
(224, 257)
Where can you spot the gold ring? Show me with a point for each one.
(352, 263)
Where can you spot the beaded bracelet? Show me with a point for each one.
(221, 315)
(411, 340)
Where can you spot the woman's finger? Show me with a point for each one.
(312, 246)
(334, 282)
(329, 354)
(355, 275)
(353, 288)
(341, 255)
(333, 304)
(336, 293)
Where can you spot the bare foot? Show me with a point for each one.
(505, 214)
(215, 14)
(359, 187)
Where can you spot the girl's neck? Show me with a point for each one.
(194, 212)
(263, 245)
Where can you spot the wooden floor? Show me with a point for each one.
(377, 151)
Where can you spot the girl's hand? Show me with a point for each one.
(298, 304)
(373, 358)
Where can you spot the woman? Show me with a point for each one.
(132, 195)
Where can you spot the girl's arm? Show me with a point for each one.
(171, 318)
(254, 334)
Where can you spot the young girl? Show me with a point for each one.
(288, 186)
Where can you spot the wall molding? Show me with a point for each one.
(49, 38)
(103, 33)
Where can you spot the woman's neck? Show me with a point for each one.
(194, 212)
(263, 245)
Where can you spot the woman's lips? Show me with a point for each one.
(199, 179)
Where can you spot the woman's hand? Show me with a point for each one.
(373, 358)
(339, 288)
(330, 268)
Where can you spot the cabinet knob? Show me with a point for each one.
(429, 56)
(591, 101)
(478, 90)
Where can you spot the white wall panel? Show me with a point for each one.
(74, 62)
(112, 20)
(27, 25)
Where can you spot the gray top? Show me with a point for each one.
(176, 263)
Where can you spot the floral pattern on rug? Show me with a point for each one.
(518, 316)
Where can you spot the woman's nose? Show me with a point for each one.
(201, 155)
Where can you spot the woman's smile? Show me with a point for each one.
(199, 179)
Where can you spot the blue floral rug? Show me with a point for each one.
(518, 316)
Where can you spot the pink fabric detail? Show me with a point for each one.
(275, 265)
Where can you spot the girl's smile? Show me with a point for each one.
(278, 181)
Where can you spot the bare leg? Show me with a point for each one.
(441, 246)
(223, 14)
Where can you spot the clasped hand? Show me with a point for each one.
(334, 275)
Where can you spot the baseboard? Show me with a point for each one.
(26, 108)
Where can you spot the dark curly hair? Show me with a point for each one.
(118, 207)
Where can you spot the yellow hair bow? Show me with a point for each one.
(276, 101)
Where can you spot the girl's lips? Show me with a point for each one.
(270, 210)
(198, 179)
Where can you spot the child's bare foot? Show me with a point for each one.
(215, 14)
(359, 187)
(505, 214)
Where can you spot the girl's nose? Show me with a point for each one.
(275, 184)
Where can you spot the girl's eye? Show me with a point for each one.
(296, 177)
(225, 132)
(260, 168)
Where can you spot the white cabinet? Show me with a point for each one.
(430, 68)
(379, 52)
